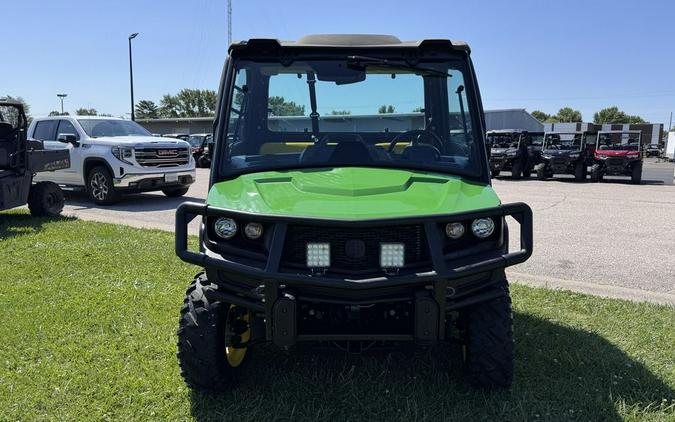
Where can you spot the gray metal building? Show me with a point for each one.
(516, 118)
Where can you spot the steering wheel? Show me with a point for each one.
(421, 133)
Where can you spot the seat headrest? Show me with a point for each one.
(6, 131)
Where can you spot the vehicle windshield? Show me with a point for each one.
(563, 141)
(196, 140)
(618, 142)
(96, 128)
(503, 140)
(327, 113)
(536, 139)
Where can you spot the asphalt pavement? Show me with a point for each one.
(612, 238)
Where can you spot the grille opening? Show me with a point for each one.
(297, 237)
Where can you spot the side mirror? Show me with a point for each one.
(68, 138)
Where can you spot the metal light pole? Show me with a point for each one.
(61, 97)
(131, 75)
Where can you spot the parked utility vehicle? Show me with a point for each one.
(514, 150)
(111, 156)
(20, 160)
(200, 142)
(564, 153)
(618, 153)
(353, 232)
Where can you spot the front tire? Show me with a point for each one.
(517, 169)
(176, 192)
(45, 199)
(206, 363)
(100, 186)
(636, 174)
(204, 162)
(541, 171)
(488, 341)
(596, 173)
(580, 171)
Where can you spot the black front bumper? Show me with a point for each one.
(448, 285)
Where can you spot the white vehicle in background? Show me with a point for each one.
(670, 146)
(111, 156)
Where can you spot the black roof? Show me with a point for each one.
(348, 41)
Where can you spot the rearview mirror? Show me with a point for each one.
(68, 138)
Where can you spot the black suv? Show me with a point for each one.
(514, 150)
(564, 153)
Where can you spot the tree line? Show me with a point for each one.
(605, 116)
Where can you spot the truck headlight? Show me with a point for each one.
(225, 227)
(123, 153)
(511, 153)
(483, 227)
(318, 255)
(392, 255)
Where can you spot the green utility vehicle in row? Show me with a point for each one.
(350, 205)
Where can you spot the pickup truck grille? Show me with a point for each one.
(163, 157)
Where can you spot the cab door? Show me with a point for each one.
(47, 131)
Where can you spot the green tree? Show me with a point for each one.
(188, 103)
(568, 115)
(86, 112)
(386, 109)
(146, 109)
(614, 115)
(418, 110)
(340, 113)
(540, 115)
(280, 107)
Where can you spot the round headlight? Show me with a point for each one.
(454, 230)
(253, 230)
(483, 227)
(225, 228)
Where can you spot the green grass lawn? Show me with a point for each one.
(89, 313)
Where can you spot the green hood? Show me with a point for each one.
(351, 193)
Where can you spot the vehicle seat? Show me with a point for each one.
(7, 143)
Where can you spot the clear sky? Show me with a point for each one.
(528, 54)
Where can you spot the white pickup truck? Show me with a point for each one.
(110, 156)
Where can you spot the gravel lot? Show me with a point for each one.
(588, 237)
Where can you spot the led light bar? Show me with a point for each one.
(318, 255)
(392, 255)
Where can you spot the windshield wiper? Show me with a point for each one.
(362, 61)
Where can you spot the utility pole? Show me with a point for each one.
(62, 96)
(229, 22)
(131, 75)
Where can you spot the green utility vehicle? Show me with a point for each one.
(350, 205)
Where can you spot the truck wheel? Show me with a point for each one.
(541, 171)
(203, 162)
(636, 174)
(206, 364)
(596, 173)
(516, 169)
(494, 173)
(100, 186)
(580, 171)
(176, 192)
(488, 339)
(45, 199)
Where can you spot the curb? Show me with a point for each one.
(604, 290)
